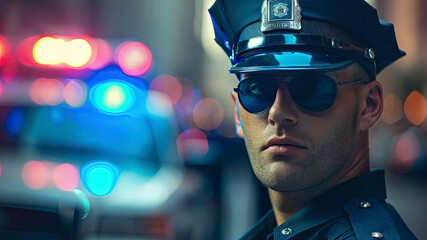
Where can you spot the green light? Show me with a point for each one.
(113, 97)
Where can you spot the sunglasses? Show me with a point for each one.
(314, 93)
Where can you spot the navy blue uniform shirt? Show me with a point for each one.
(355, 209)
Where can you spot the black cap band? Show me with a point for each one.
(296, 52)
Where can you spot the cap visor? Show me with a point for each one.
(291, 61)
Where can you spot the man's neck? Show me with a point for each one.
(286, 204)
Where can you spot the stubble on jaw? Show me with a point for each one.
(289, 201)
(323, 163)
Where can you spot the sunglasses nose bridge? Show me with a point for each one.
(283, 95)
(283, 109)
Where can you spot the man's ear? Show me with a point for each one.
(239, 130)
(372, 105)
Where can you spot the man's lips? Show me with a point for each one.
(283, 146)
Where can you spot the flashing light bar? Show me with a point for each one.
(82, 52)
(53, 51)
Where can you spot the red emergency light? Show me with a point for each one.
(57, 51)
(4, 49)
(81, 52)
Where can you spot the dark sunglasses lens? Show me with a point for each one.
(314, 93)
(257, 94)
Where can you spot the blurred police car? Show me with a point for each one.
(111, 160)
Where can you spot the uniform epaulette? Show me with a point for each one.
(370, 220)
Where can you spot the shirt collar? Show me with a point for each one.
(327, 207)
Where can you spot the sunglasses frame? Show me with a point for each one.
(287, 80)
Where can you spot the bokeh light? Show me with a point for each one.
(208, 114)
(415, 108)
(45, 91)
(49, 51)
(192, 144)
(168, 85)
(75, 93)
(99, 178)
(15, 121)
(4, 49)
(102, 53)
(9, 69)
(77, 52)
(25, 49)
(35, 174)
(158, 104)
(190, 97)
(407, 152)
(65, 177)
(134, 58)
(113, 97)
(393, 109)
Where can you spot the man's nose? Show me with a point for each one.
(283, 111)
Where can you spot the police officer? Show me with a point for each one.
(306, 99)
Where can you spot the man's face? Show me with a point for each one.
(292, 149)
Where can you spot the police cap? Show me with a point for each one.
(303, 35)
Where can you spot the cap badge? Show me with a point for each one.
(280, 10)
(280, 15)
